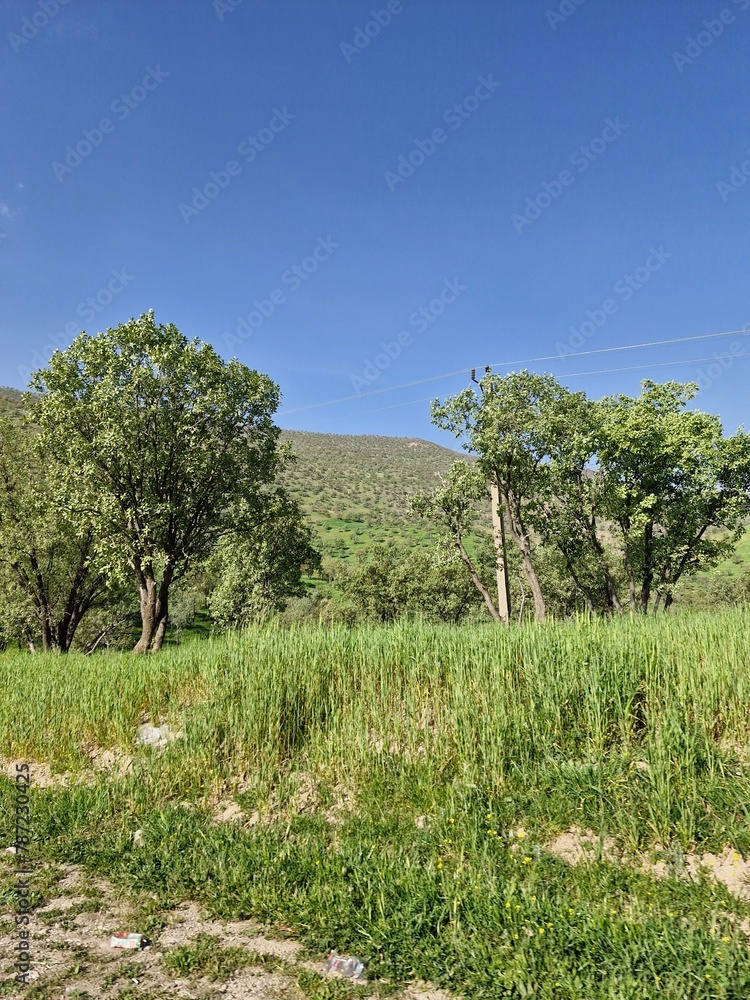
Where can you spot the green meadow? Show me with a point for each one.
(398, 791)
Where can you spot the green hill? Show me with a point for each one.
(11, 402)
(354, 489)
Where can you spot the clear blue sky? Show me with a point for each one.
(566, 159)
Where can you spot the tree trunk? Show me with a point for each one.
(631, 580)
(154, 602)
(523, 604)
(586, 591)
(147, 593)
(609, 583)
(648, 567)
(158, 640)
(521, 538)
(47, 640)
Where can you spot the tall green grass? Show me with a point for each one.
(652, 713)
(443, 740)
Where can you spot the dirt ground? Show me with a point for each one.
(73, 958)
(729, 868)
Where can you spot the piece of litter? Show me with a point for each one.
(127, 941)
(341, 965)
(138, 838)
(153, 736)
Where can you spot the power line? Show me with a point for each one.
(527, 361)
(601, 371)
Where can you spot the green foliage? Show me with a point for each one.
(50, 576)
(453, 506)
(13, 404)
(670, 477)
(674, 490)
(260, 565)
(204, 956)
(430, 584)
(515, 425)
(714, 590)
(362, 478)
(165, 435)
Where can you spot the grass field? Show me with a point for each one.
(400, 794)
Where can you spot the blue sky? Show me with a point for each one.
(351, 195)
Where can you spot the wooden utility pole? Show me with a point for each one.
(498, 537)
(501, 561)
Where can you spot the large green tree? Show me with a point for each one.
(636, 489)
(570, 515)
(676, 488)
(514, 424)
(165, 436)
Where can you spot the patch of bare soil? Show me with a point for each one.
(304, 798)
(576, 846)
(115, 763)
(423, 991)
(729, 868)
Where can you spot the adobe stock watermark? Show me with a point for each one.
(86, 310)
(565, 10)
(224, 7)
(721, 364)
(623, 291)
(248, 149)
(420, 321)
(582, 159)
(290, 281)
(34, 22)
(364, 34)
(122, 107)
(739, 174)
(697, 44)
(454, 116)
(7, 214)
(22, 889)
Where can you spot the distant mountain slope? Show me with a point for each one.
(11, 402)
(354, 475)
(354, 488)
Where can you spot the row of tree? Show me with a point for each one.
(146, 465)
(628, 494)
(142, 456)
